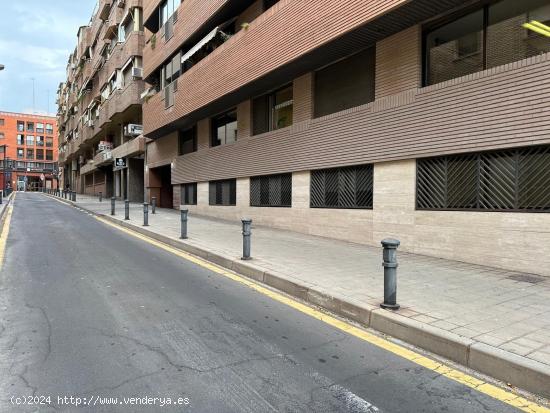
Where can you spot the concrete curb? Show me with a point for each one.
(521, 372)
(6, 202)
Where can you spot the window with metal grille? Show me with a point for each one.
(349, 187)
(510, 180)
(189, 194)
(271, 191)
(223, 192)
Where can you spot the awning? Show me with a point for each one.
(199, 45)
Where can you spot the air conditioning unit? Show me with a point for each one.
(133, 129)
(137, 72)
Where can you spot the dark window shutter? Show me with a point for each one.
(260, 115)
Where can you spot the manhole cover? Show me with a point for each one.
(527, 278)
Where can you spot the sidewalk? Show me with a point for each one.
(495, 321)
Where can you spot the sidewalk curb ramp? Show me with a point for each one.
(519, 371)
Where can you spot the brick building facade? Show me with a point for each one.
(421, 120)
(28, 151)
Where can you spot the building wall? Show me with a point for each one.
(499, 108)
(348, 224)
(502, 240)
(398, 62)
(9, 131)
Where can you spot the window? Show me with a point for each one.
(49, 129)
(345, 84)
(187, 141)
(224, 128)
(30, 153)
(127, 72)
(1, 135)
(171, 70)
(167, 8)
(273, 111)
(508, 180)
(49, 142)
(271, 191)
(39, 128)
(30, 140)
(30, 126)
(40, 154)
(485, 38)
(20, 139)
(1, 122)
(39, 141)
(126, 27)
(20, 126)
(349, 187)
(49, 155)
(223, 192)
(189, 194)
(105, 92)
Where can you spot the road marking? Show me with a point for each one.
(5, 232)
(479, 385)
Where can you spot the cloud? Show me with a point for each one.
(41, 20)
(47, 59)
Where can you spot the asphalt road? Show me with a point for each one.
(89, 311)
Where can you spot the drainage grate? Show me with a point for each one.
(527, 278)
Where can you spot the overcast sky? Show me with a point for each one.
(36, 38)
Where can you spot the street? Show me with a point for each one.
(91, 312)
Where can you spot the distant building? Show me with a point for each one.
(28, 151)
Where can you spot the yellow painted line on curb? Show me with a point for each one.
(481, 386)
(5, 232)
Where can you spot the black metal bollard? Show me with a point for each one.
(390, 273)
(247, 232)
(154, 205)
(101, 197)
(1, 193)
(126, 209)
(183, 217)
(145, 214)
(74, 196)
(113, 200)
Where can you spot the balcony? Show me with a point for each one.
(250, 66)
(192, 16)
(104, 9)
(88, 167)
(133, 46)
(130, 148)
(102, 158)
(84, 41)
(122, 99)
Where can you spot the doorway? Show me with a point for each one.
(160, 186)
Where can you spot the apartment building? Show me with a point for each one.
(99, 104)
(359, 120)
(28, 151)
